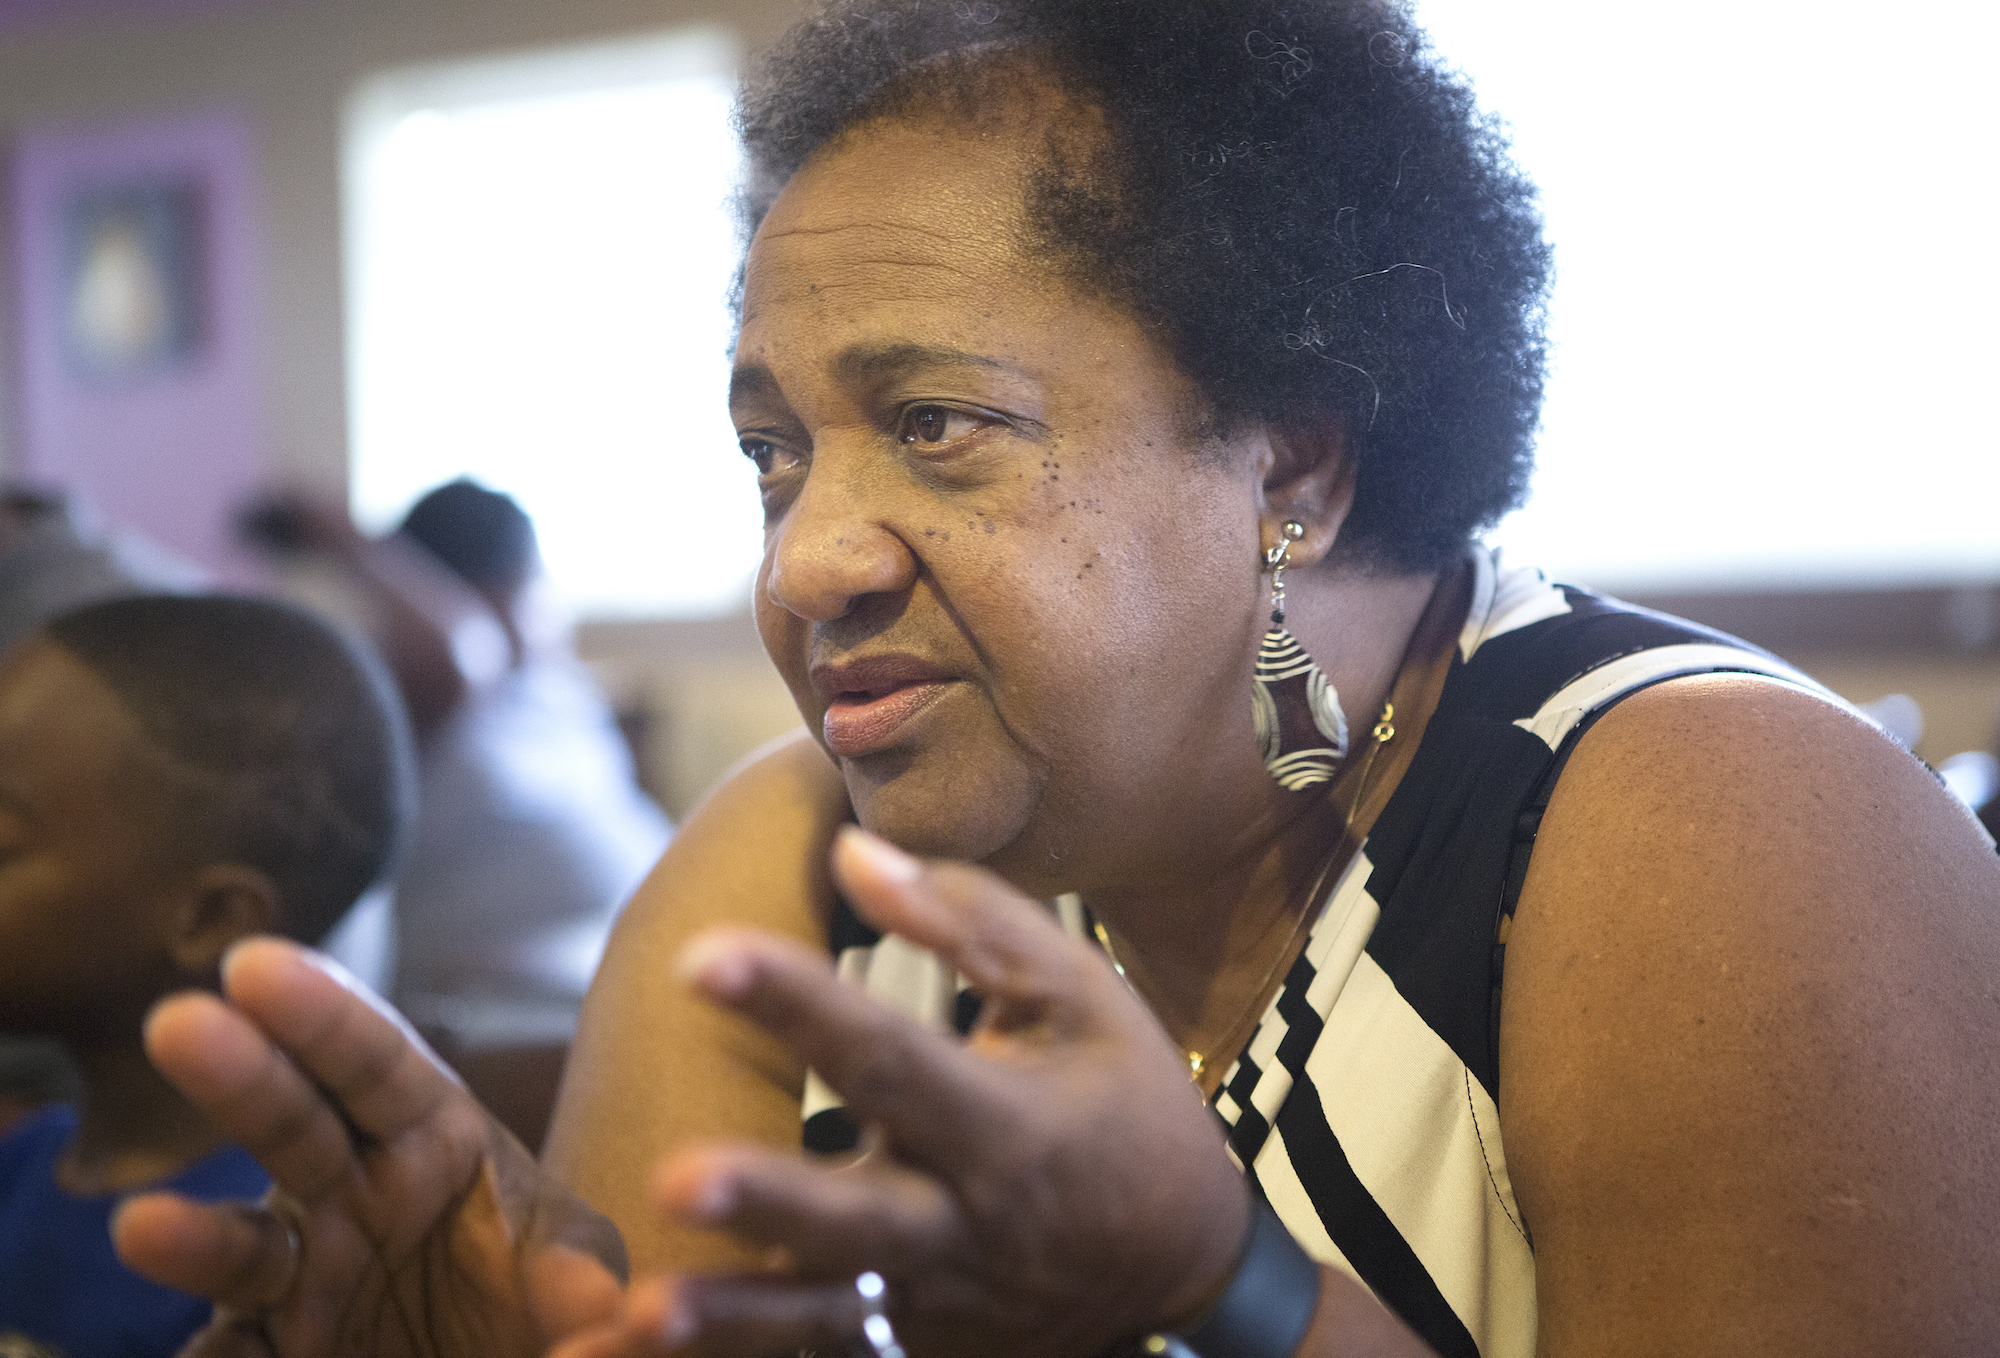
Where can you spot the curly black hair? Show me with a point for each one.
(1297, 193)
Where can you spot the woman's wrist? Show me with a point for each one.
(1263, 1311)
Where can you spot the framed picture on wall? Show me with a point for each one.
(131, 284)
(138, 252)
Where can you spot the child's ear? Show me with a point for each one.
(225, 902)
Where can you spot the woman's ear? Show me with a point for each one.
(1310, 480)
(225, 902)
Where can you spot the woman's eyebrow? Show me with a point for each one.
(870, 363)
(749, 381)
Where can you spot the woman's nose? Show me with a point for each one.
(832, 548)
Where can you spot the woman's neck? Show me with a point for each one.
(1203, 945)
(133, 1127)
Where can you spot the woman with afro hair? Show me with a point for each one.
(1218, 908)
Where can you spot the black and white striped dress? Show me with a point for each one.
(1364, 1107)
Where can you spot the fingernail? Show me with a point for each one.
(881, 857)
(716, 964)
(232, 952)
(333, 967)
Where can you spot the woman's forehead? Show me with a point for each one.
(912, 197)
(917, 233)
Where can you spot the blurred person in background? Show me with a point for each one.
(531, 831)
(55, 556)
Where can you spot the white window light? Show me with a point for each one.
(1773, 314)
(539, 248)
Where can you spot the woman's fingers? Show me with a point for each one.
(726, 1317)
(231, 1071)
(240, 1257)
(570, 1290)
(1009, 948)
(296, 1064)
(733, 1317)
(935, 1103)
(749, 1315)
(345, 1038)
(830, 1222)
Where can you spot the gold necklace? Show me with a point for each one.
(1384, 732)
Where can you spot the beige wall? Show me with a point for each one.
(705, 690)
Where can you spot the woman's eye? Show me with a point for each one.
(766, 455)
(937, 424)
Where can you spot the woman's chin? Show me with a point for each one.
(971, 819)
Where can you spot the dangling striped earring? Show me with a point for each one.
(1292, 705)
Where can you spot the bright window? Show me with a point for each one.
(539, 250)
(1774, 312)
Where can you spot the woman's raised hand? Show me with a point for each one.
(402, 1220)
(1050, 1186)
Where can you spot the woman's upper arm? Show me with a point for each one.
(652, 1066)
(1751, 1039)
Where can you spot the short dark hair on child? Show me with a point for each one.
(290, 738)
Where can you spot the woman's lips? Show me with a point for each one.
(862, 723)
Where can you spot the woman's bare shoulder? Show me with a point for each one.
(753, 852)
(1751, 1026)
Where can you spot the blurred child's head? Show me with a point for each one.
(176, 773)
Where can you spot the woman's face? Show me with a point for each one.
(1007, 584)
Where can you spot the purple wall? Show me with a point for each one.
(172, 450)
